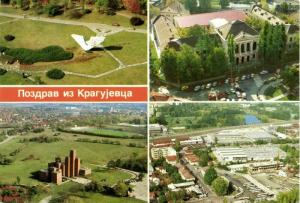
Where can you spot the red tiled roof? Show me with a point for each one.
(204, 18)
(171, 158)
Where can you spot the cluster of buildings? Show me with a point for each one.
(165, 28)
(59, 169)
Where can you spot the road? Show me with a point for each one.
(213, 130)
(8, 138)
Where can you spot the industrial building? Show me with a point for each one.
(60, 169)
(226, 155)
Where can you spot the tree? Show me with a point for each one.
(132, 5)
(204, 159)
(168, 64)
(290, 77)
(177, 146)
(230, 52)
(121, 189)
(220, 186)
(113, 4)
(217, 62)
(210, 175)
(291, 196)
(224, 3)
(102, 4)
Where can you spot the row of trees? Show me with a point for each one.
(133, 163)
(272, 41)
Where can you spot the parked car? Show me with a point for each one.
(264, 72)
(252, 75)
(243, 77)
(202, 87)
(226, 81)
(197, 88)
(208, 86)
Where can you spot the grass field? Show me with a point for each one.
(134, 47)
(90, 153)
(131, 76)
(4, 19)
(11, 78)
(131, 49)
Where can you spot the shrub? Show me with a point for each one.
(76, 14)
(55, 74)
(87, 11)
(2, 71)
(47, 54)
(136, 21)
(3, 49)
(53, 10)
(9, 37)
(110, 12)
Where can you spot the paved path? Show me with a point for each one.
(96, 27)
(8, 138)
(262, 90)
(278, 97)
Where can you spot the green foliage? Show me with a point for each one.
(47, 54)
(55, 74)
(220, 186)
(136, 21)
(290, 77)
(177, 196)
(134, 163)
(197, 7)
(41, 139)
(224, 3)
(53, 10)
(272, 44)
(2, 71)
(210, 175)
(204, 157)
(121, 189)
(292, 157)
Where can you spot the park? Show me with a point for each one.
(38, 48)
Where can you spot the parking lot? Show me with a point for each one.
(244, 88)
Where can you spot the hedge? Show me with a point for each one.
(2, 71)
(30, 56)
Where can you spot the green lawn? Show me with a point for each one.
(89, 153)
(12, 78)
(133, 47)
(272, 92)
(4, 19)
(109, 176)
(130, 76)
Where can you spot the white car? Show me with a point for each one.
(232, 90)
(244, 95)
(208, 86)
(238, 94)
(197, 88)
(264, 72)
(226, 81)
(252, 75)
(214, 84)
(243, 77)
